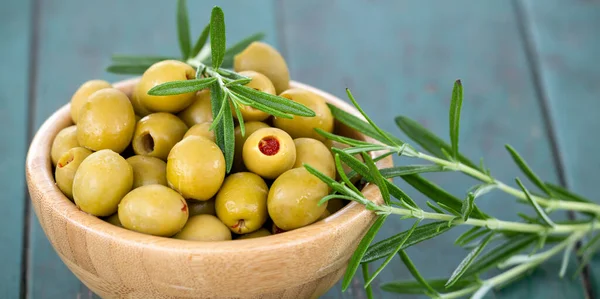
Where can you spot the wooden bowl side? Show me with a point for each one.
(115, 262)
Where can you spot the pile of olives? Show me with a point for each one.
(150, 163)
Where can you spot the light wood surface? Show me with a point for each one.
(117, 263)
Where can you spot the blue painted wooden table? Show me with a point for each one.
(529, 70)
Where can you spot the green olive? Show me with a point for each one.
(269, 152)
(262, 232)
(106, 121)
(114, 220)
(82, 94)
(263, 58)
(250, 127)
(67, 167)
(204, 228)
(101, 181)
(325, 214)
(159, 73)
(154, 210)
(198, 207)
(139, 109)
(148, 170)
(199, 111)
(261, 83)
(201, 129)
(196, 168)
(301, 126)
(157, 133)
(334, 144)
(241, 203)
(314, 153)
(65, 140)
(293, 199)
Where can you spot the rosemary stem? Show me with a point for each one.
(550, 203)
(518, 270)
(495, 224)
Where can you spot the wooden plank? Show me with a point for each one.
(76, 41)
(401, 58)
(15, 29)
(567, 41)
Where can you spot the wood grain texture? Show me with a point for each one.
(14, 89)
(119, 263)
(76, 41)
(401, 58)
(565, 36)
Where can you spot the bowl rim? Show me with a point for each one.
(40, 180)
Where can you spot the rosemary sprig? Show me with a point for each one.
(513, 237)
(226, 86)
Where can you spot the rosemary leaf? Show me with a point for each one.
(468, 260)
(229, 138)
(368, 288)
(342, 174)
(449, 209)
(240, 118)
(565, 194)
(389, 258)
(128, 68)
(436, 209)
(470, 238)
(467, 206)
(378, 178)
(429, 141)
(410, 169)
(183, 29)
(565, 260)
(527, 170)
(343, 139)
(482, 189)
(361, 126)
(179, 87)
(416, 288)
(547, 221)
(201, 41)
(276, 102)
(466, 234)
(355, 260)
(138, 60)
(327, 180)
(438, 194)
(369, 120)
(217, 119)
(217, 37)
(261, 107)
(363, 170)
(424, 232)
(588, 245)
(501, 252)
(239, 82)
(415, 273)
(455, 106)
(231, 75)
(216, 96)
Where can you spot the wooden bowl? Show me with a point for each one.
(117, 263)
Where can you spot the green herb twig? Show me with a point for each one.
(450, 212)
(210, 57)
